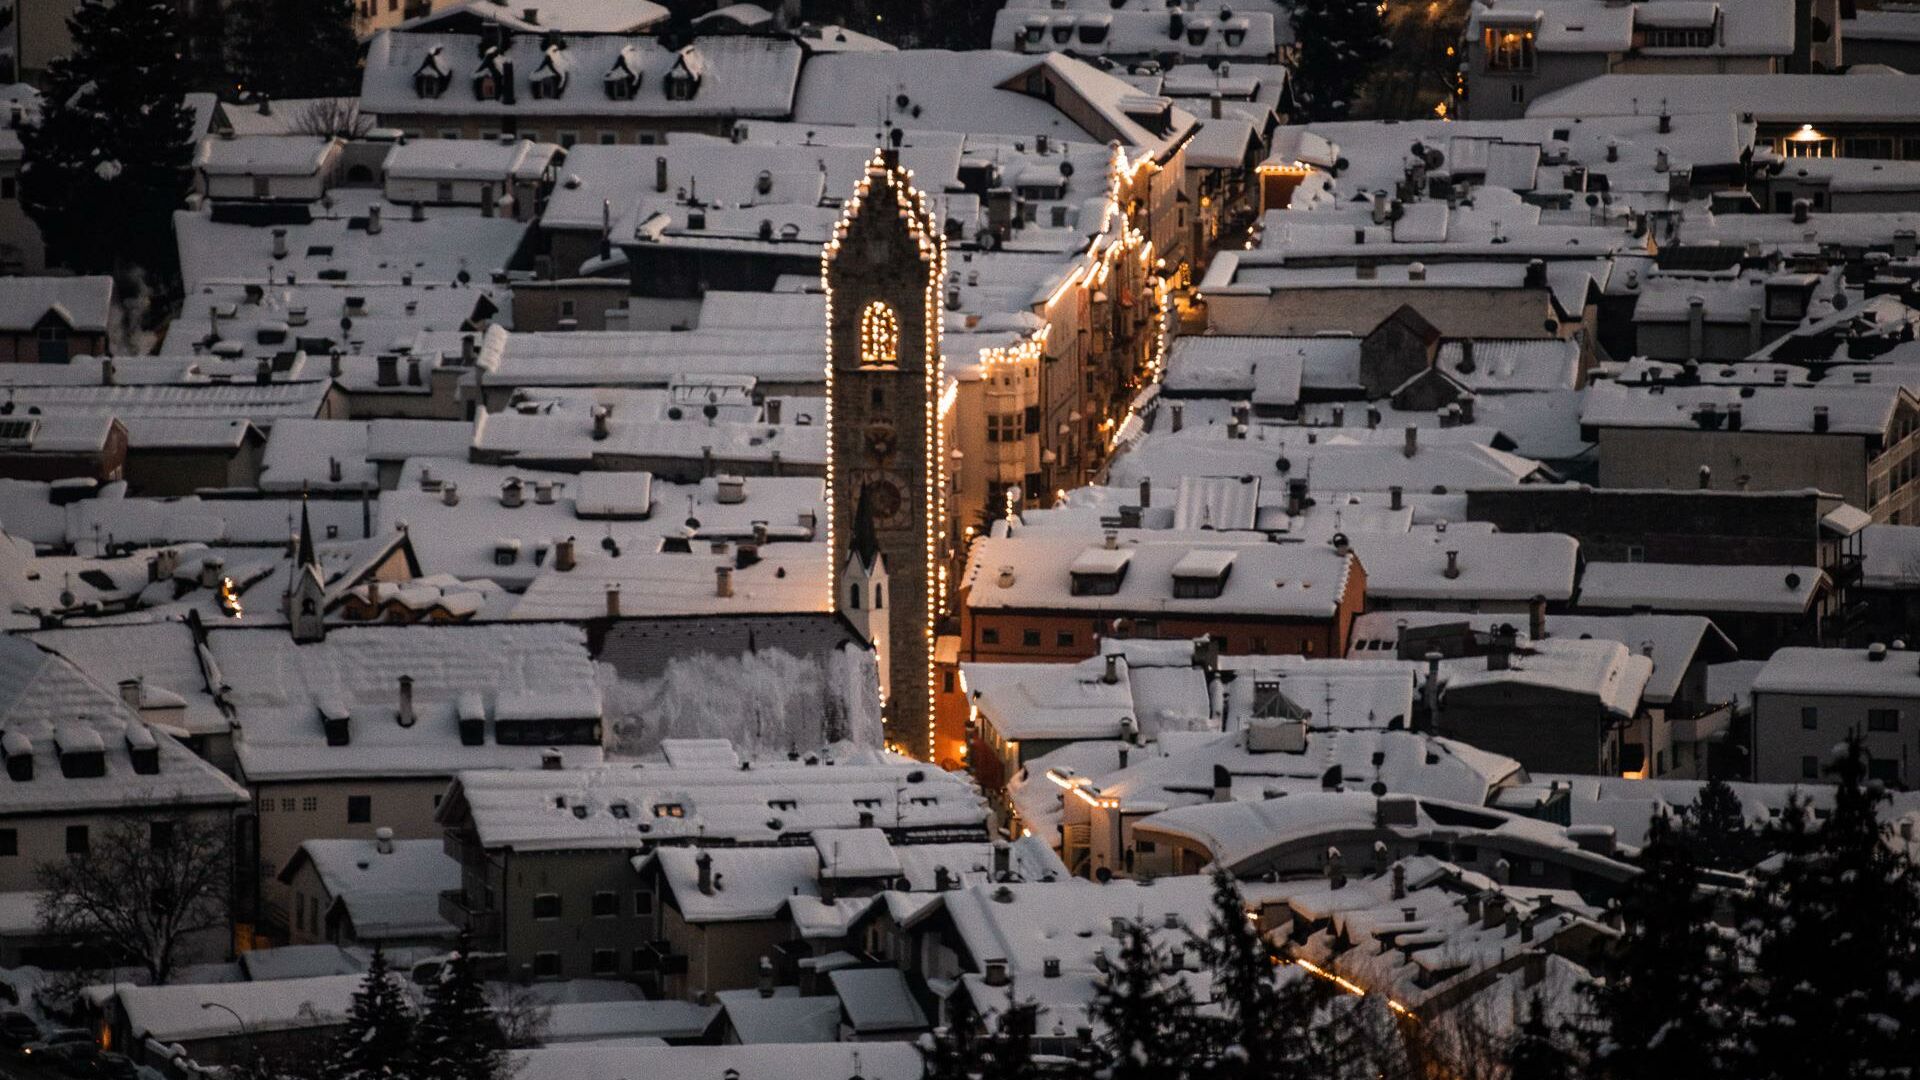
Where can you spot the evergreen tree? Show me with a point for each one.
(1662, 1003)
(1148, 1014)
(1536, 1052)
(379, 1027)
(1266, 1026)
(106, 164)
(1718, 830)
(1340, 41)
(457, 1037)
(284, 49)
(1835, 923)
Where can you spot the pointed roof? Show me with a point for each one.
(866, 543)
(307, 557)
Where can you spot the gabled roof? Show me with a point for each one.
(82, 303)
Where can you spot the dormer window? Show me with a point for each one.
(1063, 33)
(669, 809)
(550, 78)
(623, 79)
(336, 721)
(683, 80)
(143, 750)
(493, 79)
(1100, 571)
(430, 79)
(1093, 33)
(18, 751)
(83, 754)
(1197, 34)
(1036, 33)
(1202, 575)
(1236, 36)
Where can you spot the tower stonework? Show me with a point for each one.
(885, 481)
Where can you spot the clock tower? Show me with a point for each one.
(886, 485)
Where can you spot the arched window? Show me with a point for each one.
(879, 596)
(879, 336)
(853, 596)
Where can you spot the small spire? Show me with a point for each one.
(307, 557)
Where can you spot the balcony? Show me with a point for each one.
(483, 925)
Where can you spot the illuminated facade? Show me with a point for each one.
(886, 482)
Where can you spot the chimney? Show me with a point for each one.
(1802, 210)
(335, 365)
(413, 371)
(1537, 618)
(130, 692)
(1666, 120)
(418, 213)
(613, 600)
(263, 372)
(1399, 881)
(1661, 161)
(1496, 912)
(513, 493)
(1413, 441)
(1500, 648)
(450, 493)
(1416, 271)
(211, 571)
(1002, 860)
(333, 470)
(543, 492)
(704, 862)
(406, 714)
(1536, 274)
(1819, 419)
(1380, 206)
(1222, 784)
(1179, 416)
(1431, 689)
(1734, 416)
(531, 16)
(1146, 492)
(279, 242)
(388, 371)
(1696, 326)
(766, 977)
(1706, 477)
(1394, 494)
(1373, 417)
(107, 372)
(383, 840)
(563, 555)
(1756, 330)
(723, 581)
(1296, 497)
(1213, 104)
(660, 174)
(600, 416)
(1339, 416)
(1111, 540)
(373, 220)
(550, 760)
(1453, 563)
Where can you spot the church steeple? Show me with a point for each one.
(307, 598)
(882, 272)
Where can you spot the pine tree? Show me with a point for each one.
(1835, 921)
(1151, 1032)
(379, 1027)
(1340, 41)
(1536, 1052)
(1717, 827)
(284, 49)
(1266, 1026)
(457, 1037)
(106, 165)
(1662, 1004)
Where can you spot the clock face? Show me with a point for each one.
(884, 502)
(881, 440)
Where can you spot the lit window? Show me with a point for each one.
(879, 336)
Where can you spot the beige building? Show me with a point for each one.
(1805, 701)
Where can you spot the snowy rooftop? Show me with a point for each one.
(50, 708)
(767, 1061)
(265, 155)
(388, 894)
(1890, 557)
(1429, 564)
(1782, 590)
(1606, 671)
(633, 806)
(1848, 672)
(180, 1013)
(1036, 572)
(1869, 95)
(337, 246)
(280, 692)
(84, 303)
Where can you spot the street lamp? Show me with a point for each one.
(252, 1046)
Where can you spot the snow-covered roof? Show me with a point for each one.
(1036, 572)
(634, 806)
(1465, 563)
(50, 707)
(1890, 557)
(1869, 95)
(782, 1017)
(765, 1061)
(336, 246)
(620, 1021)
(566, 16)
(877, 1000)
(392, 893)
(266, 155)
(162, 655)
(1845, 672)
(1250, 35)
(470, 159)
(181, 1013)
(279, 691)
(1782, 590)
(1606, 671)
(83, 303)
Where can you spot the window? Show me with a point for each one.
(946, 682)
(77, 841)
(1508, 49)
(1810, 767)
(1063, 638)
(566, 309)
(1685, 37)
(608, 138)
(359, 809)
(568, 138)
(9, 843)
(1883, 719)
(880, 593)
(1885, 770)
(879, 336)
(546, 905)
(642, 902)
(443, 191)
(1030, 638)
(160, 835)
(853, 596)
(989, 636)
(546, 964)
(606, 905)
(669, 809)
(1809, 717)
(286, 806)
(310, 803)
(1005, 428)
(1517, 94)
(606, 962)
